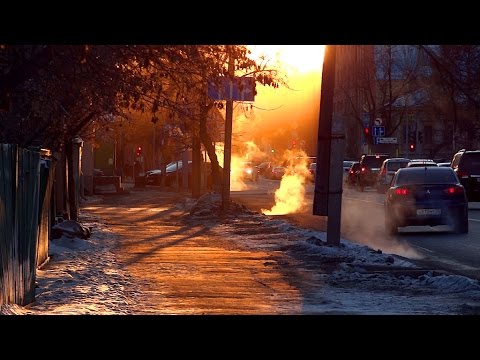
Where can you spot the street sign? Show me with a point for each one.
(240, 89)
(378, 131)
(387, 140)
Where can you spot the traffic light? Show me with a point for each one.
(412, 141)
(139, 151)
(366, 131)
(294, 144)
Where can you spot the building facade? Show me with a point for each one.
(395, 88)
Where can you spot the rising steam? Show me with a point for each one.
(290, 196)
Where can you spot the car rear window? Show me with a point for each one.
(373, 161)
(470, 163)
(395, 165)
(426, 176)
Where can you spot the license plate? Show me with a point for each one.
(429, 211)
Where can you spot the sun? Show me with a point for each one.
(294, 58)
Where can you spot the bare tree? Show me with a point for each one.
(457, 73)
(385, 87)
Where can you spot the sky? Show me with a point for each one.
(288, 111)
(85, 277)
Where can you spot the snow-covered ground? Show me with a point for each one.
(84, 277)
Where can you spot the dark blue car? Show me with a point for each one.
(426, 196)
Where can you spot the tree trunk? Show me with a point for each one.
(196, 165)
(217, 182)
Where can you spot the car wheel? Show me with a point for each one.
(461, 223)
(391, 227)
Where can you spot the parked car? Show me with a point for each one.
(347, 164)
(421, 162)
(369, 169)
(278, 172)
(351, 178)
(265, 168)
(466, 164)
(429, 195)
(249, 171)
(154, 177)
(387, 170)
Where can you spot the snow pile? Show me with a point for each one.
(349, 264)
(210, 204)
(12, 309)
(450, 283)
(70, 228)
(65, 244)
(82, 277)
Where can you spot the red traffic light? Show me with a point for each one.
(139, 151)
(412, 147)
(366, 130)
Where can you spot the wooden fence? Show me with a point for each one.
(19, 223)
(47, 173)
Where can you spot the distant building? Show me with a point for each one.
(394, 86)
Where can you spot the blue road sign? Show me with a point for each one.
(240, 89)
(378, 131)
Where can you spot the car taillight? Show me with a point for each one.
(462, 174)
(402, 191)
(454, 190)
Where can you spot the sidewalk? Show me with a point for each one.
(185, 267)
(149, 255)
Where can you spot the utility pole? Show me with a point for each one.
(196, 162)
(407, 137)
(327, 200)
(154, 145)
(228, 136)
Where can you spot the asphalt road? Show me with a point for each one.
(363, 222)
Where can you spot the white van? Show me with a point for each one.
(387, 170)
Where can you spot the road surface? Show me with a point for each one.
(363, 222)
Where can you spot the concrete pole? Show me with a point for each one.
(335, 190)
(331, 147)
(154, 166)
(320, 200)
(228, 138)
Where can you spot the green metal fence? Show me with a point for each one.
(19, 223)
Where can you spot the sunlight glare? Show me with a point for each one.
(295, 58)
